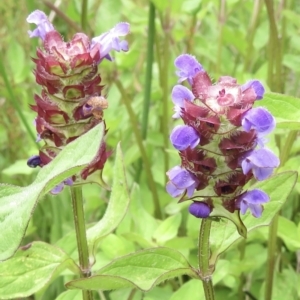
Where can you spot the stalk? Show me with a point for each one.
(84, 12)
(83, 251)
(203, 256)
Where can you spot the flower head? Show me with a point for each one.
(253, 201)
(221, 144)
(181, 180)
(71, 100)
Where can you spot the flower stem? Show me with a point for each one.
(203, 256)
(84, 11)
(79, 222)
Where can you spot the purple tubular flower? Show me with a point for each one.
(57, 189)
(259, 119)
(181, 180)
(261, 162)
(180, 93)
(253, 201)
(184, 136)
(44, 26)
(199, 209)
(188, 67)
(110, 40)
(256, 86)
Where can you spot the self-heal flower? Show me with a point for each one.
(181, 180)
(180, 94)
(200, 209)
(261, 162)
(110, 40)
(259, 119)
(188, 67)
(71, 101)
(184, 136)
(253, 201)
(256, 87)
(44, 26)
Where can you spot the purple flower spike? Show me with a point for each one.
(253, 201)
(261, 162)
(44, 26)
(180, 93)
(110, 40)
(181, 180)
(256, 86)
(184, 136)
(200, 210)
(259, 119)
(188, 67)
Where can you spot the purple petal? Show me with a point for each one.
(257, 86)
(259, 119)
(184, 136)
(57, 189)
(173, 190)
(199, 209)
(256, 210)
(43, 24)
(181, 93)
(181, 178)
(262, 173)
(68, 181)
(256, 196)
(110, 40)
(188, 67)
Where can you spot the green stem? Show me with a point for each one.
(146, 162)
(271, 258)
(14, 101)
(165, 89)
(203, 256)
(148, 79)
(84, 11)
(83, 251)
(222, 17)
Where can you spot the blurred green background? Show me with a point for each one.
(228, 37)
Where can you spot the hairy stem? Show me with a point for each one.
(203, 256)
(83, 251)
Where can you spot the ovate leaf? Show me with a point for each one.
(142, 270)
(32, 267)
(286, 110)
(224, 233)
(17, 203)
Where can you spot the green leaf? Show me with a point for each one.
(287, 231)
(224, 233)
(191, 290)
(32, 267)
(142, 270)
(117, 206)
(70, 295)
(18, 203)
(167, 229)
(285, 109)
